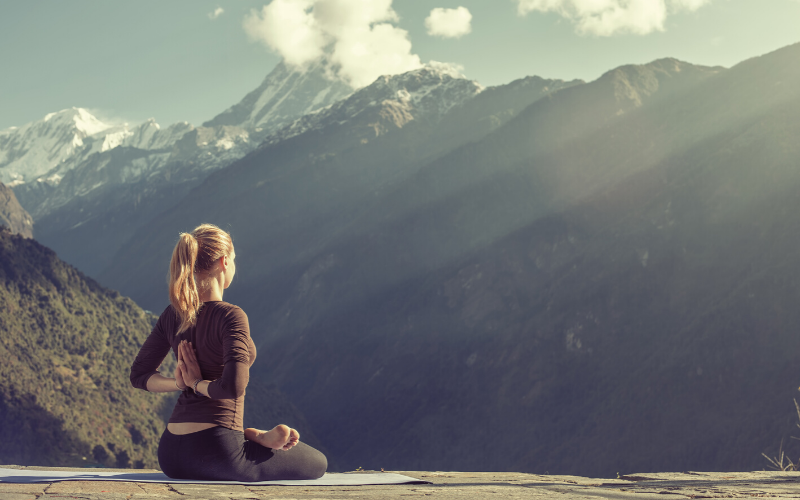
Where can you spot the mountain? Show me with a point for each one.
(556, 151)
(100, 201)
(308, 182)
(91, 184)
(12, 215)
(582, 278)
(607, 273)
(388, 103)
(42, 153)
(32, 150)
(285, 94)
(605, 283)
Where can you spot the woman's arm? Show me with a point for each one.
(231, 385)
(144, 370)
(150, 356)
(160, 383)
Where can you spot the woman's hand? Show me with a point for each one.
(187, 364)
(179, 374)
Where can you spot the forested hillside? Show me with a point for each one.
(66, 345)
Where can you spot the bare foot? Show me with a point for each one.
(281, 437)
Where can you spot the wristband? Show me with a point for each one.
(176, 384)
(194, 386)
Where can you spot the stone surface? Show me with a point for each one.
(444, 486)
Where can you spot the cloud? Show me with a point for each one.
(611, 17)
(217, 12)
(357, 36)
(449, 23)
(453, 69)
(287, 28)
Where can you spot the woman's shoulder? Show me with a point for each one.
(225, 308)
(169, 315)
(167, 323)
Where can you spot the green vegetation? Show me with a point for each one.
(782, 460)
(66, 345)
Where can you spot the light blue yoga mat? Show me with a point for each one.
(329, 479)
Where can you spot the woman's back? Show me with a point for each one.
(225, 352)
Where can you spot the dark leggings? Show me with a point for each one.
(222, 454)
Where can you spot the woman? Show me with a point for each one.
(204, 438)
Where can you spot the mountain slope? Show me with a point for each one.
(99, 186)
(32, 150)
(103, 199)
(630, 290)
(560, 148)
(12, 215)
(290, 197)
(66, 345)
(285, 94)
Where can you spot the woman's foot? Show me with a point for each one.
(281, 437)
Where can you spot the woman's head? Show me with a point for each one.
(197, 257)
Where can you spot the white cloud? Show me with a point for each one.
(287, 28)
(217, 12)
(610, 17)
(449, 23)
(357, 36)
(453, 69)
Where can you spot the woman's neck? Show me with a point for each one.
(211, 291)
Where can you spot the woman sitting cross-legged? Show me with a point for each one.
(204, 438)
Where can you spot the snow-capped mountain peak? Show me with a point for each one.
(285, 94)
(83, 120)
(426, 93)
(31, 150)
(61, 140)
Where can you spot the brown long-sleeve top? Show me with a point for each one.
(225, 352)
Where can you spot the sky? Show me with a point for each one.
(188, 60)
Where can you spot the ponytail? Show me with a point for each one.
(182, 287)
(194, 253)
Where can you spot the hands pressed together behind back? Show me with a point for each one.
(281, 437)
(188, 370)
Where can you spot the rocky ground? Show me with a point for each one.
(443, 485)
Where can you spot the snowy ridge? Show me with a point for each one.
(33, 149)
(57, 143)
(285, 94)
(74, 167)
(44, 151)
(427, 93)
(125, 156)
(147, 136)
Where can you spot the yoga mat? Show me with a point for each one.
(329, 479)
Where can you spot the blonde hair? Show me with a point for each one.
(195, 253)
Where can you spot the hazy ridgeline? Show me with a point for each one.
(569, 277)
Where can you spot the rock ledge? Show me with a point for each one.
(445, 485)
